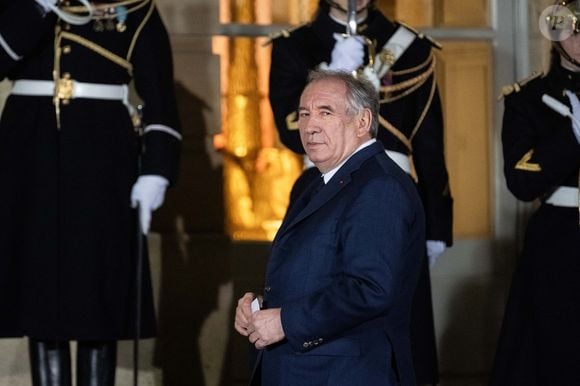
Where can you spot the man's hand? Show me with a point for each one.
(348, 53)
(148, 192)
(244, 314)
(265, 328)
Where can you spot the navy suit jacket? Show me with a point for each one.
(343, 269)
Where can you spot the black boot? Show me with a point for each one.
(96, 363)
(49, 363)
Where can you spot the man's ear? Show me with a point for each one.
(364, 123)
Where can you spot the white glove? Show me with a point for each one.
(576, 114)
(47, 5)
(348, 53)
(148, 192)
(434, 249)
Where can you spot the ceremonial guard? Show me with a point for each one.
(69, 153)
(539, 340)
(401, 63)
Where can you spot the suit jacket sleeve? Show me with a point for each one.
(373, 254)
(153, 74)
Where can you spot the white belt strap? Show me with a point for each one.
(565, 196)
(393, 49)
(400, 159)
(78, 89)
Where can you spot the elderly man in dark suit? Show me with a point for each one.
(345, 262)
(401, 62)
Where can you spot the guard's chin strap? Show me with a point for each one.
(334, 4)
(566, 56)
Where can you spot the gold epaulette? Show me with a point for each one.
(517, 86)
(421, 35)
(282, 33)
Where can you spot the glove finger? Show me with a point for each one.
(145, 218)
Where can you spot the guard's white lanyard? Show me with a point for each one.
(72, 18)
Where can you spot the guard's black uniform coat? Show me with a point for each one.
(67, 232)
(303, 49)
(540, 335)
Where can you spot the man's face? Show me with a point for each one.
(360, 4)
(328, 133)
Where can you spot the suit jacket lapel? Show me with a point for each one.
(340, 180)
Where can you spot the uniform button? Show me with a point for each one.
(267, 288)
(305, 344)
(320, 340)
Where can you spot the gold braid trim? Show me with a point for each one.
(410, 85)
(405, 141)
(292, 121)
(140, 28)
(523, 163)
(425, 109)
(98, 49)
(416, 68)
(416, 82)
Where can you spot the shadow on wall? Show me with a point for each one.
(194, 256)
